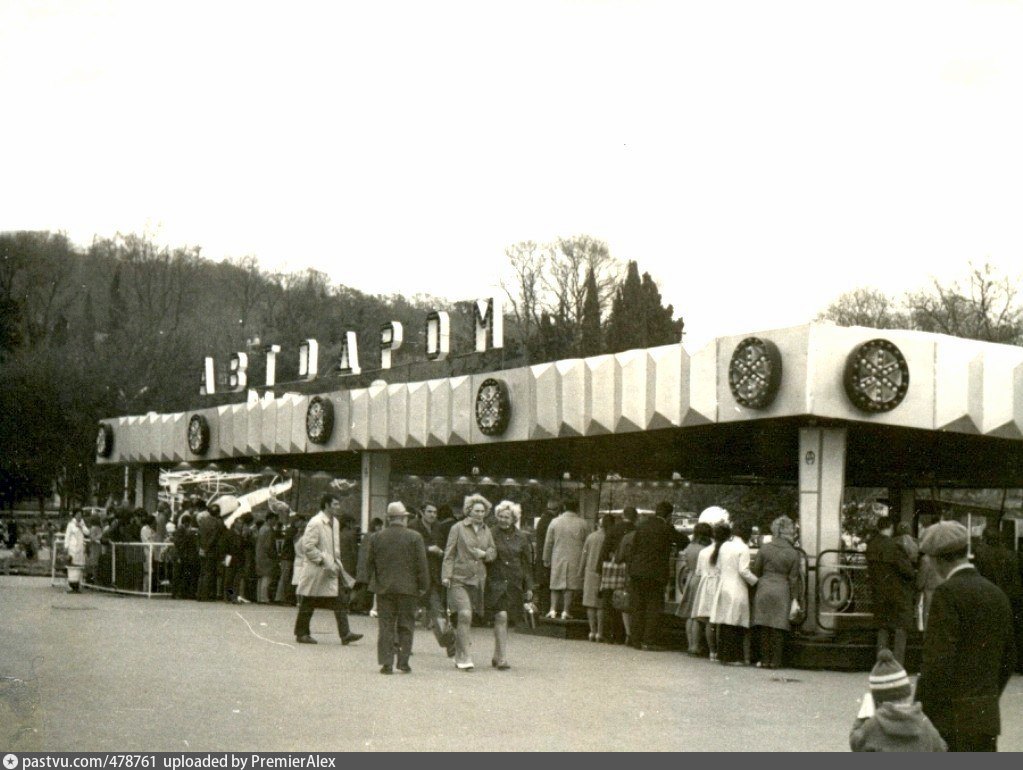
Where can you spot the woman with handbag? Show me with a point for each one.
(509, 584)
(612, 577)
(592, 569)
(778, 566)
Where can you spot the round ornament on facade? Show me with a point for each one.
(493, 407)
(319, 420)
(876, 376)
(198, 434)
(754, 373)
(104, 440)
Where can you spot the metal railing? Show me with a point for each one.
(841, 590)
(127, 568)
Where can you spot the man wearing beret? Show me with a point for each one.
(969, 652)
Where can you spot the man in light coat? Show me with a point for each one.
(398, 576)
(563, 554)
(323, 577)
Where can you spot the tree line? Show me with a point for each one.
(122, 327)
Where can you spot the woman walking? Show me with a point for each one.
(509, 578)
(463, 573)
(777, 564)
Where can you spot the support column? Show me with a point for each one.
(376, 475)
(150, 487)
(821, 487)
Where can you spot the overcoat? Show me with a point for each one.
(266, 558)
(707, 576)
(892, 580)
(731, 602)
(592, 548)
(74, 542)
(321, 546)
(396, 562)
(777, 564)
(563, 551)
(969, 654)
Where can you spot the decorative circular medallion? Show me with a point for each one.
(876, 376)
(319, 420)
(198, 434)
(493, 407)
(104, 440)
(754, 373)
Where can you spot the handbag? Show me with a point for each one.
(612, 575)
(621, 600)
(797, 615)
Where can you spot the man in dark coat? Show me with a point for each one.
(266, 557)
(969, 651)
(434, 602)
(892, 586)
(211, 532)
(398, 575)
(647, 561)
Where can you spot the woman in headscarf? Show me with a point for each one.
(690, 558)
(778, 566)
(509, 582)
(730, 609)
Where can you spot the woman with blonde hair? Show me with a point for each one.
(463, 573)
(509, 578)
(778, 566)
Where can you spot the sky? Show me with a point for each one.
(758, 159)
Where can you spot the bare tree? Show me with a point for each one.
(986, 309)
(866, 307)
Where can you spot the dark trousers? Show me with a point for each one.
(647, 605)
(337, 604)
(232, 582)
(396, 615)
(771, 645)
(961, 742)
(207, 578)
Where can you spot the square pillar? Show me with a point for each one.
(147, 486)
(376, 478)
(821, 488)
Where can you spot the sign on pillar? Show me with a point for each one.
(821, 489)
(376, 475)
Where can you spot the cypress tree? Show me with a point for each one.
(591, 343)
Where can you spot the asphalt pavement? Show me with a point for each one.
(101, 672)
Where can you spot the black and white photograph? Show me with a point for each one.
(565, 376)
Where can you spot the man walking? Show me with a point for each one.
(969, 651)
(398, 575)
(323, 576)
(432, 531)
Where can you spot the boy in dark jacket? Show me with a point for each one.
(896, 724)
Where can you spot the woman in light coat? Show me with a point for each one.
(591, 566)
(708, 576)
(690, 574)
(778, 566)
(74, 543)
(730, 608)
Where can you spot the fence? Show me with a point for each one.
(127, 568)
(842, 592)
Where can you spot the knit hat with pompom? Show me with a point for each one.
(889, 680)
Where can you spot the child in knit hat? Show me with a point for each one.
(895, 723)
